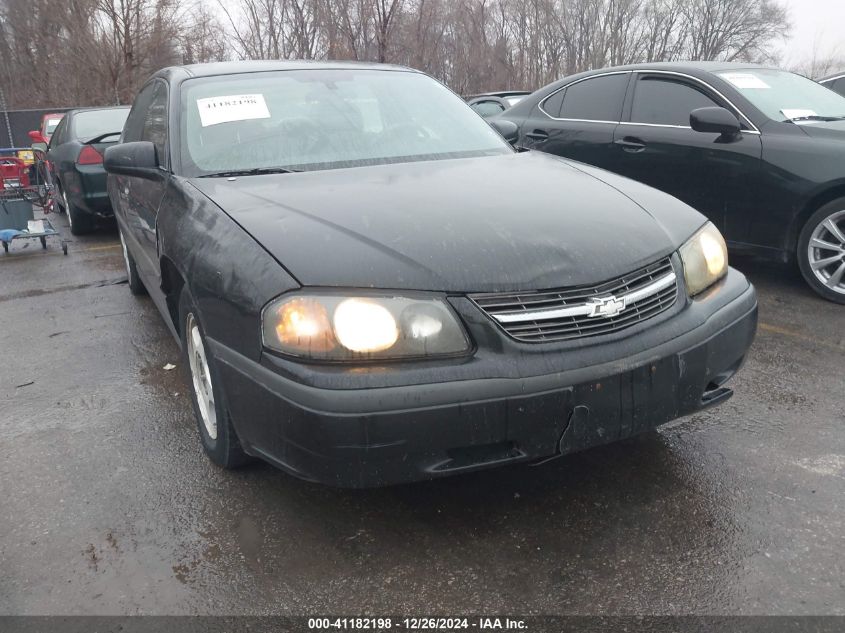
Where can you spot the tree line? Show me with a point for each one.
(98, 52)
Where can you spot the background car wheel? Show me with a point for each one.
(78, 221)
(821, 251)
(136, 286)
(217, 434)
(58, 198)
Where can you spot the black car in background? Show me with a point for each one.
(759, 151)
(835, 82)
(76, 157)
(490, 104)
(371, 286)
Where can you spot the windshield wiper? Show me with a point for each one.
(256, 171)
(815, 117)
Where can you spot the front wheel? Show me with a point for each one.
(821, 251)
(217, 434)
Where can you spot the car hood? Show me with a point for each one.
(497, 223)
(825, 129)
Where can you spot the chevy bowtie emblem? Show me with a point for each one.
(605, 306)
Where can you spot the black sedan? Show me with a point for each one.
(490, 104)
(76, 157)
(370, 286)
(835, 82)
(759, 151)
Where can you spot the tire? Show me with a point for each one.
(824, 268)
(78, 221)
(217, 434)
(136, 286)
(58, 198)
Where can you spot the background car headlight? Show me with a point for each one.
(705, 258)
(349, 328)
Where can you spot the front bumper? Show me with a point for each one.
(360, 429)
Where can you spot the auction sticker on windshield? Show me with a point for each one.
(228, 108)
(746, 81)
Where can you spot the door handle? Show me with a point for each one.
(630, 144)
(538, 135)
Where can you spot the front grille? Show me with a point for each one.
(573, 313)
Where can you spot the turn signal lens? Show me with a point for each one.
(705, 258)
(303, 324)
(344, 328)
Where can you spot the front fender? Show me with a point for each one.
(228, 273)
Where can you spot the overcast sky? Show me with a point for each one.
(811, 20)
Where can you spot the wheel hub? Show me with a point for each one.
(826, 252)
(201, 377)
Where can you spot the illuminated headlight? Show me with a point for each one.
(350, 328)
(705, 258)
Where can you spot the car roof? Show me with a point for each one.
(838, 75)
(500, 93)
(709, 67)
(76, 111)
(234, 68)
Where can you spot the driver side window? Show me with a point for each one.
(147, 120)
(659, 101)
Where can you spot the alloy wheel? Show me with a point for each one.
(201, 377)
(826, 252)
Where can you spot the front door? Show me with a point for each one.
(139, 198)
(656, 145)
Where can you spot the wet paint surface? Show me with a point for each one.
(108, 506)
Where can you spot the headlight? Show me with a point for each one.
(705, 258)
(349, 328)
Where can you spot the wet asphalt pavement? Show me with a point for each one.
(107, 505)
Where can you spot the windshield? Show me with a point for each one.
(325, 119)
(94, 123)
(784, 96)
(51, 125)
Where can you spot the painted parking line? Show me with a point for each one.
(782, 331)
(15, 256)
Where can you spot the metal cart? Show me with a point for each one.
(17, 217)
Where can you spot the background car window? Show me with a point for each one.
(488, 108)
(134, 126)
(596, 99)
(98, 122)
(553, 104)
(666, 101)
(839, 86)
(155, 122)
(58, 136)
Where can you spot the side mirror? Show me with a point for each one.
(133, 159)
(715, 120)
(508, 129)
(40, 147)
(37, 137)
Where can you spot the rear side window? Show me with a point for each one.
(596, 99)
(553, 104)
(666, 101)
(839, 86)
